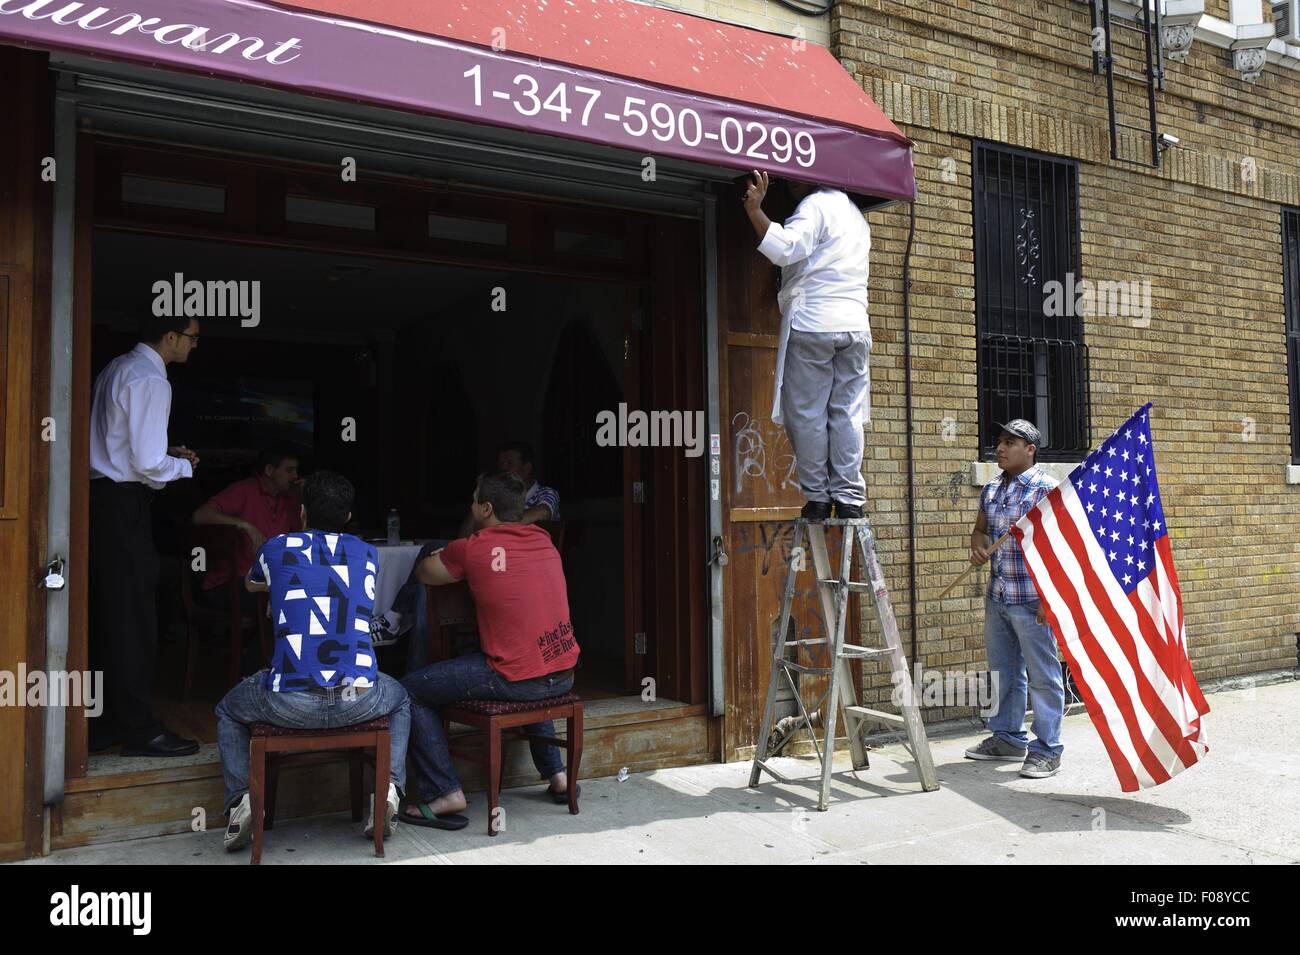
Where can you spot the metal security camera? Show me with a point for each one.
(1168, 140)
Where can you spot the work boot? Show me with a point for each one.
(816, 511)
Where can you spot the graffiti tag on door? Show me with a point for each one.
(763, 453)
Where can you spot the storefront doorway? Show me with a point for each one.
(403, 333)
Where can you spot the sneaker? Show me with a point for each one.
(390, 817)
(1040, 766)
(240, 828)
(381, 629)
(995, 748)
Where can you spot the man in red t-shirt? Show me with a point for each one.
(528, 647)
(263, 506)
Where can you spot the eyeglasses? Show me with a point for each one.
(193, 335)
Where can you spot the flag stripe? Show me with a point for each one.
(1168, 579)
(1062, 596)
(1096, 626)
(1143, 664)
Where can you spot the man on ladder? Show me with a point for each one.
(822, 377)
(822, 400)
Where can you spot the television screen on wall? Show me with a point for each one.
(228, 420)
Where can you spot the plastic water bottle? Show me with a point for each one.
(394, 527)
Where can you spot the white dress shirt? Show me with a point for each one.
(129, 408)
(823, 250)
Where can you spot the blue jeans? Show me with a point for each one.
(1019, 647)
(250, 702)
(469, 677)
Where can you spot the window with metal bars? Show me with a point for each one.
(1291, 286)
(1031, 364)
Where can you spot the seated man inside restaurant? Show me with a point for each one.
(528, 647)
(261, 506)
(323, 671)
(541, 503)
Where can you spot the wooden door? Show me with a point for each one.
(26, 101)
(761, 496)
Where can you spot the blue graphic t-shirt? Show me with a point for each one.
(322, 596)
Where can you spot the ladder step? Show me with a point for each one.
(857, 586)
(852, 650)
(863, 712)
(800, 668)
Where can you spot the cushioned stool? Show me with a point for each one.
(497, 721)
(274, 747)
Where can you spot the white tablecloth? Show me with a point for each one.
(395, 563)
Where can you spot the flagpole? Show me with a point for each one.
(967, 572)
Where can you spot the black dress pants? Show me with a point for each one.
(124, 615)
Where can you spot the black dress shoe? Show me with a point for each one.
(816, 511)
(165, 743)
(848, 511)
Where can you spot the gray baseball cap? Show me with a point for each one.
(1020, 428)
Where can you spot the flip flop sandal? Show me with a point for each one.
(450, 821)
(560, 799)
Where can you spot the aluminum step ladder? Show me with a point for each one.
(834, 594)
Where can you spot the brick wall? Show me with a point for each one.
(1212, 359)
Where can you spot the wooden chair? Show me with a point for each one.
(497, 722)
(448, 608)
(220, 543)
(275, 747)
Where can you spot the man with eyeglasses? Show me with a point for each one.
(129, 461)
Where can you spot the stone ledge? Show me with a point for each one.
(981, 472)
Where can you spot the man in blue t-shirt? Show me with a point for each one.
(323, 672)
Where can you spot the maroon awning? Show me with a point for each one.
(606, 71)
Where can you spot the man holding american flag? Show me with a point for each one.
(1021, 649)
(1098, 550)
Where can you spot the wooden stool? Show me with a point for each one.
(274, 747)
(495, 717)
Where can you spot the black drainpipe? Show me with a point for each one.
(911, 463)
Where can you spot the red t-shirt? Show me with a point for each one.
(272, 514)
(515, 575)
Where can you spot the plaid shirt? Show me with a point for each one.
(1004, 501)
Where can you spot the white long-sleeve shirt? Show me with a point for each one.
(823, 250)
(129, 408)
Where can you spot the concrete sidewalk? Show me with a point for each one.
(1238, 806)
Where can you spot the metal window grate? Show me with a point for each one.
(1031, 364)
(1291, 286)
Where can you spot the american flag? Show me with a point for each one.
(1098, 550)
